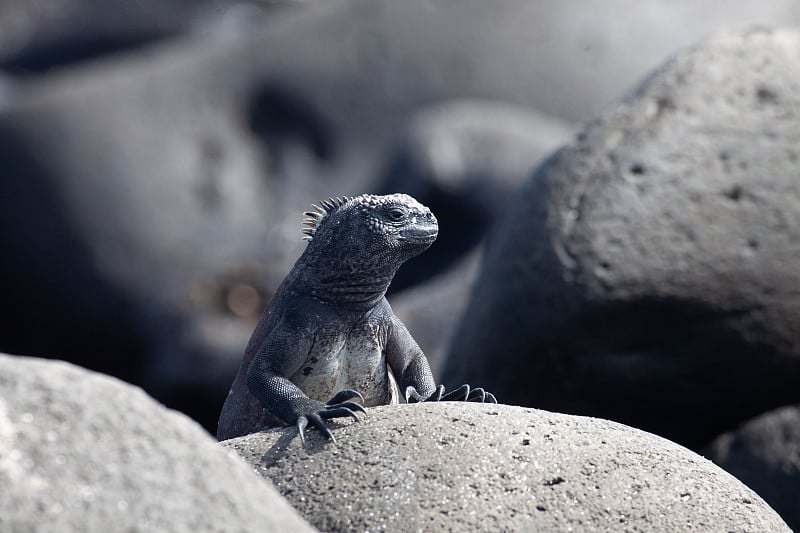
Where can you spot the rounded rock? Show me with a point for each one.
(83, 452)
(765, 454)
(647, 273)
(464, 466)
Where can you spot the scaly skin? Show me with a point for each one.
(328, 336)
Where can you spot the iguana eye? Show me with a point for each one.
(396, 214)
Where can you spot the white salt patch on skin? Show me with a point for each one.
(355, 361)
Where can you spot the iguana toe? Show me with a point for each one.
(349, 405)
(490, 398)
(302, 422)
(339, 411)
(315, 420)
(345, 395)
(478, 394)
(457, 395)
(317, 412)
(462, 394)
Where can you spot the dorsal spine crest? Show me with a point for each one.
(318, 213)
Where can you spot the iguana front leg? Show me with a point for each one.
(267, 380)
(286, 401)
(407, 360)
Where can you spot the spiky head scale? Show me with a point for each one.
(314, 217)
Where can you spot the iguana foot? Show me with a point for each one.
(466, 394)
(337, 406)
(462, 394)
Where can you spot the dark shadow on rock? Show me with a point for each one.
(40, 58)
(54, 301)
(648, 361)
(314, 444)
(280, 116)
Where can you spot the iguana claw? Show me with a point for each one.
(343, 396)
(315, 420)
(462, 394)
(337, 406)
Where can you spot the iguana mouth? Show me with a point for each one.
(420, 234)
(421, 237)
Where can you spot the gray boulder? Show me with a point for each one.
(459, 466)
(464, 159)
(764, 453)
(648, 272)
(84, 452)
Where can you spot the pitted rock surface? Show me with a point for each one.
(647, 273)
(475, 467)
(82, 452)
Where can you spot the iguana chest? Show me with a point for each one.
(353, 359)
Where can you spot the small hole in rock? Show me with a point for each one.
(734, 193)
(766, 96)
(665, 104)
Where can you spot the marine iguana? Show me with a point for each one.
(329, 334)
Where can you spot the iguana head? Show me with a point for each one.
(361, 241)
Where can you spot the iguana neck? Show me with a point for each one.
(357, 291)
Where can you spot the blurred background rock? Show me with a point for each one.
(156, 157)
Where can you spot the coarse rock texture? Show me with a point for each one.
(457, 466)
(84, 452)
(764, 453)
(647, 273)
